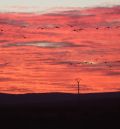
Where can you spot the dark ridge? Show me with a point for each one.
(60, 111)
(54, 97)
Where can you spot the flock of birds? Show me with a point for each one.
(79, 29)
(74, 30)
(71, 26)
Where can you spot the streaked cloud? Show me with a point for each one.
(44, 44)
(113, 73)
(45, 52)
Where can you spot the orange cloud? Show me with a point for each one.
(47, 52)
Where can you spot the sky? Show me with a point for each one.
(43, 5)
(47, 53)
(55, 49)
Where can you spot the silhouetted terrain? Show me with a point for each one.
(60, 111)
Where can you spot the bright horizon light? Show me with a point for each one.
(44, 5)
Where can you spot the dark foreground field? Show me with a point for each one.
(60, 111)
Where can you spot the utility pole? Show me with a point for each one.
(78, 86)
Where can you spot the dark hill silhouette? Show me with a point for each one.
(59, 110)
(47, 98)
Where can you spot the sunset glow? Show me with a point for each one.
(48, 52)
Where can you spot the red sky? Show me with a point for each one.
(48, 52)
